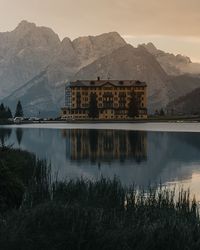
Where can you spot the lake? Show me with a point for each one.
(136, 153)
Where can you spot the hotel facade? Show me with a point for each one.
(112, 99)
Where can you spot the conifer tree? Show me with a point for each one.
(2, 111)
(134, 106)
(9, 113)
(93, 108)
(19, 110)
(162, 113)
(5, 112)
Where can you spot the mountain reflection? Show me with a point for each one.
(105, 145)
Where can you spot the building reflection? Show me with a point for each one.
(105, 145)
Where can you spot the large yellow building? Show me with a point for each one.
(112, 97)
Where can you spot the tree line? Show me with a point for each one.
(6, 113)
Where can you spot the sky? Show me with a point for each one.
(173, 25)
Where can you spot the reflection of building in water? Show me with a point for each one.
(106, 145)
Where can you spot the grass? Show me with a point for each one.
(81, 214)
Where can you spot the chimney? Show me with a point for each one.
(98, 78)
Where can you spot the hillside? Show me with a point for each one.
(173, 64)
(182, 85)
(29, 49)
(24, 53)
(131, 63)
(188, 104)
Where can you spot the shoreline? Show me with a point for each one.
(137, 126)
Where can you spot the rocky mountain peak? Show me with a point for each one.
(90, 48)
(183, 59)
(25, 26)
(171, 63)
(151, 48)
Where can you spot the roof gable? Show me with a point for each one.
(108, 84)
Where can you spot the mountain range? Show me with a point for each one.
(35, 65)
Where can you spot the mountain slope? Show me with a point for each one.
(173, 64)
(24, 53)
(188, 104)
(37, 97)
(182, 85)
(89, 49)
(73, 55)
(66, 62)
(29, 49)
(131, 63)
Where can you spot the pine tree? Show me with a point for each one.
(93, 108)
(134, 106)
(2, 111)
(9, 113)
(5, 112)
(162, 113)
(19, 110)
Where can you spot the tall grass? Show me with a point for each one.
(103, 214)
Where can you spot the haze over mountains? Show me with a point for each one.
(35, 65)
(173, 64)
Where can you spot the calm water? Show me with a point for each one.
(141, 157)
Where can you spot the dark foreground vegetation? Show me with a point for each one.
(38, 214)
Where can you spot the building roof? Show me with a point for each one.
(100, 83)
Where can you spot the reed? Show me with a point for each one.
(101, 214)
